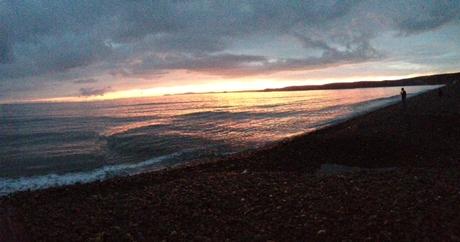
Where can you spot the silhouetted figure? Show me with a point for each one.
(403, 96)
(440, 92)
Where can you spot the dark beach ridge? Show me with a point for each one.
(389, 175)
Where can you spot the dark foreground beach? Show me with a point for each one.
(408, 188)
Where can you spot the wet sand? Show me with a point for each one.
(276, 193)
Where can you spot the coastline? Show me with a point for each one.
(273, 192)
(54, 178)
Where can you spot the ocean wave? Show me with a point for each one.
(235, 116)
(10, 185)
(154, 104)
(85, 119)
(360, 108)
(207, 114)
(133, 127)
(46, 137)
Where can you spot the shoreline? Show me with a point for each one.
(248, 195)
(50, 180)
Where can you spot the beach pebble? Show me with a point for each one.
(322, 231)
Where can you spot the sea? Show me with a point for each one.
(53, 144)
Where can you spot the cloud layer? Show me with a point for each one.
(91, 91)
(74, 42)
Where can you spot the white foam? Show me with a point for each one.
(9, 185)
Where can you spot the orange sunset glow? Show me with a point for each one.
(208, 84)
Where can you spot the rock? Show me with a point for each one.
(322, 231)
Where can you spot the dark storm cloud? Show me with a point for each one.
(238, 65)
(151, 37)
(54, 36)
(91, 91)
(427, 15)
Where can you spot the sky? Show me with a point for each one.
(86, 49)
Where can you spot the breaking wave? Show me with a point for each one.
(10, 185)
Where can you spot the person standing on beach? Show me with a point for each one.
(403, 96)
